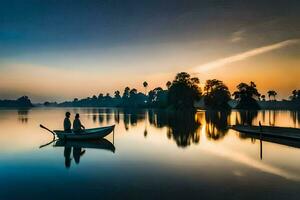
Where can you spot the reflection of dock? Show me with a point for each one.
(282, 141)
(269, 131)
(280, 135)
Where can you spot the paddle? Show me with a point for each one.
(48, 130)
(44, 145)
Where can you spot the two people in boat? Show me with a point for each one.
(77, 126)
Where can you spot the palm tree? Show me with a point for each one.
(145, 84)
(168, 84)
(273, 94)
(126, 93)
(117, 94)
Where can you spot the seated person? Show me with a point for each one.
(67, 122)
(77, 126)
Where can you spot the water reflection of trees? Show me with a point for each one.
(183, 127)
(131, 117)
(296, 117)
(217, 124)
(246, 117)
(272, 117)
(108, 115)
(102, 115)
(23, 115)
(95, 113)
(117, 116)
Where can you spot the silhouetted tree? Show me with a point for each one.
(126, 93)
(132, 98)
(153, 94)
(158, 98)
(273, 94)
(117, 94)
(100, 96)
(246, 95)
(168, 84)
(23, 101)
(132, 92)
(263, 97)
(295, 95)
(50, 104)
(145, 84)
(184, 91)
(216, 94)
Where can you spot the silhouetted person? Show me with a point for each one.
(67, 122)
(77, 126)
(67, 154)
(77, 153)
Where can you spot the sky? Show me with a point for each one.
(57, 50)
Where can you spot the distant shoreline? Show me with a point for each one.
(264, 105)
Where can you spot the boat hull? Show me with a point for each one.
(88, 134)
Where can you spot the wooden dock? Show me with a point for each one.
(279, 132)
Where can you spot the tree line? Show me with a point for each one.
(179, 94)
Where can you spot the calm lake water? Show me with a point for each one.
(156, 155)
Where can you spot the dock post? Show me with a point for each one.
(261, 149)
(260, 126)
(260, 138)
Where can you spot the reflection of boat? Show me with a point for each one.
(86, 144)
(269, 131)
(94, 133)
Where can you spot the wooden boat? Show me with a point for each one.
(269, 131)
(87, 144)
(87, 134)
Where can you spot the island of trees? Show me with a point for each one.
(22, 102)
(183, 93)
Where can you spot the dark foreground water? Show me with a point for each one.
(157, 156)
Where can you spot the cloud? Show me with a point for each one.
(237, 36)
(245, 55)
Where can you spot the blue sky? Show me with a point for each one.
(123, 42)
